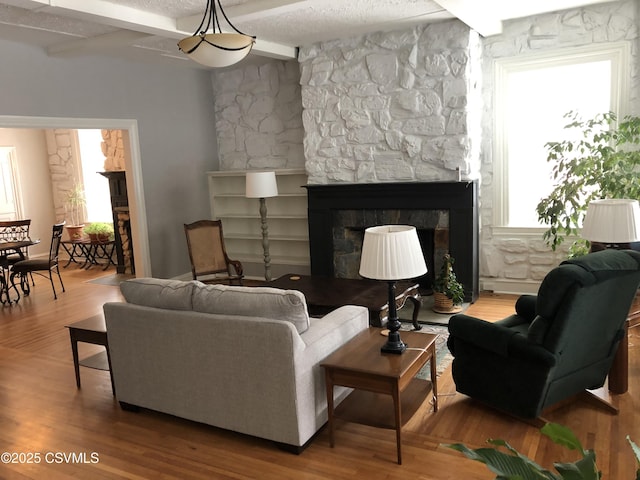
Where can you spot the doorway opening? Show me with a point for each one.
(132, 168)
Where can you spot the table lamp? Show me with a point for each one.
(612, 223)
(262, 185)
(392, 253)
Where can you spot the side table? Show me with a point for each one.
(376, 376)
(91, 330)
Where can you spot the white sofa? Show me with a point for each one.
(240, 358)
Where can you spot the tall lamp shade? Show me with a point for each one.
(612, 221)
(391, 253)
(262, 185)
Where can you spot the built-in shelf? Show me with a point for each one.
(286, 215)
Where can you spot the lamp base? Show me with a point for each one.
(397, 348)
(394, 344)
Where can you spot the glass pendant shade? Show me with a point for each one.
(217, 49)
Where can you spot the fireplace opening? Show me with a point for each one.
(348, 234)
(445, 214)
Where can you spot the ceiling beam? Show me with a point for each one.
(117, 39)
(128, 18)
(477, 15)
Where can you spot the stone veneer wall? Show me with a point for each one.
(512, 261)
(258, 117)
(64, 166)
(392, 106)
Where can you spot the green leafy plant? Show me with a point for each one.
(603, 162)
(512, 465)
(99, 228)
(447, 283)
(74, 205)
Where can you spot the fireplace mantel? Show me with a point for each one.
(459, 198)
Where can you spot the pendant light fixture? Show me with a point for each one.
(216, 49)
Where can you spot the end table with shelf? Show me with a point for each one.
(377, 377)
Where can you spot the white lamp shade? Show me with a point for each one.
(391, 252)
(261, 185)
(612, 220)
(206, 49)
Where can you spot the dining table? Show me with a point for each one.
(7, 247)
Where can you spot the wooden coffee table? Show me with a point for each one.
(386, 393)
(324, 294)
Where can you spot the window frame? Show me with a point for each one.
(618, 53)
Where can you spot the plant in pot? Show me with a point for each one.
(602, 162)
(74, 208)
(448, 293)
(99, 231)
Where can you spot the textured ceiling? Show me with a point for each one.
(73, 27)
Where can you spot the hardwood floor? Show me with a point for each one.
(42, 411)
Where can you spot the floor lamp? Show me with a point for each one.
(262, 185)
(612, 223)
(392, 253)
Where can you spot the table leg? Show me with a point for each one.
(416, 312)
(434, 377)
(398, 413)
(76, 361)
(113, 387)
(329, 387)
(619, 372)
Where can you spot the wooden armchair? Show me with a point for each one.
(208, 256)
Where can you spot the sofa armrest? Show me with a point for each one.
(328, 333)
(498, 339)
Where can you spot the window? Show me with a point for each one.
(96, 186)
(532, 95)
(9, 191)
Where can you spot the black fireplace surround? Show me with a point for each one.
(459, 198)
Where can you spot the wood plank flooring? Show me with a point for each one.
(41, 411)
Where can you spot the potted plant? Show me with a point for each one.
(516, 465)
(99, 231)
(74, 207)
(448, 293)
(602, 162)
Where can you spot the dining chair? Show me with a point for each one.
(38, 265)
(209, 260)
(15, 230)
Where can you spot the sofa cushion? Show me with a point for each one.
(289, 305)
(158, 293)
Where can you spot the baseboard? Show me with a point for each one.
(518, 287)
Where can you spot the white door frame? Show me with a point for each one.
(133, 172)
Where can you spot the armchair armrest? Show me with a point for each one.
(237, 267)
(526, 307)
(480, 333)
(498, 339)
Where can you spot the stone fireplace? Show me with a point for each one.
(444, 213)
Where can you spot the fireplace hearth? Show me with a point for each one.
(444, 213)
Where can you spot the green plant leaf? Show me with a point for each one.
(562, 436)
(505, 466)
(636, 452)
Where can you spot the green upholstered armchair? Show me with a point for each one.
(557, 344)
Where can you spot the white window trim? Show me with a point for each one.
(619, 53)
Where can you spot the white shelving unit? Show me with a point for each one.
(286, 217)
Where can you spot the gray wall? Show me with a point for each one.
(174, 111)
